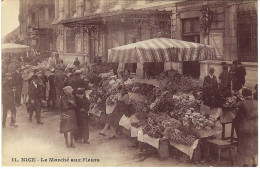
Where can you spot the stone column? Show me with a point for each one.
(46, 15)
(61, 9)
(80, 7)
(67, 9)
(139, 70)
(56, 9)
(87, 9)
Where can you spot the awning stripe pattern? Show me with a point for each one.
(161, 50)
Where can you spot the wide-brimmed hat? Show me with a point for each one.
(80, 91)
(68, 89)
(34, 77)
(8, 75)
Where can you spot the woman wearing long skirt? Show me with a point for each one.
(68, 124)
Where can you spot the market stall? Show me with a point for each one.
(169, 113)
(154, 53)
(161, 50)
(14, 48)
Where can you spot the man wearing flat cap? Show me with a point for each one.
(8, 100)
(35, 97)
(210, 88)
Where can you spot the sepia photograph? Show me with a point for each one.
(129, 83)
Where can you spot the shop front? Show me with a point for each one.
(90, 37)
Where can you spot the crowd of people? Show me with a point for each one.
(245, 122)
(230, 81)
(62, 90)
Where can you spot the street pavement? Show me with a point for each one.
(42, 142)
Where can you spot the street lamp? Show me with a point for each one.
(206, 19)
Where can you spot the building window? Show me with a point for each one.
(191, 33)
(247, 36)
(191, 30)
(70, 42)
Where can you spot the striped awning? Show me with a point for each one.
(14, 48)
(161, 50)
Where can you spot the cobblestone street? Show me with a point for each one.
(30, 140)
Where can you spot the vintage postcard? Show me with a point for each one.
(129, 83)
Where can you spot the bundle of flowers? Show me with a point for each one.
(196, 120)
(187, 84)
(231, 102)
(106, 75)
(141, 88)
(163, 103)
(178, 136)
(111, 100)
(185, 101)
(152, 128)
(93, 78)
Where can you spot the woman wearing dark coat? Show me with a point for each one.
(68, 124)
(240, 75)
(225, 82)
(82, 116)
(246, 125)
(210, 89)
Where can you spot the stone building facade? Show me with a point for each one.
(98, 25)
(35, 19)
(88, 28)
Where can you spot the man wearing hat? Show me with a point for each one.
(232, 73)
(240, 74)
(82, 108)
(44, 80)
(8, 100)
(52, 91)
(210, 88)
(52, 60)
(246, 125)
(77, 82)
(35, 97)
(18, 84)
(76, 62)
(59, 82)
